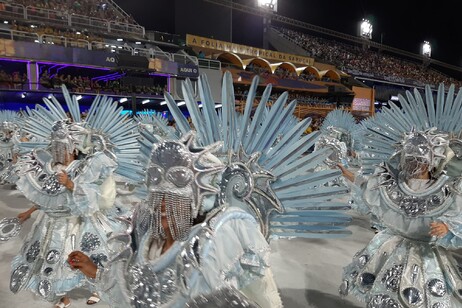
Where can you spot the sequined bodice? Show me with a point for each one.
(410, 212)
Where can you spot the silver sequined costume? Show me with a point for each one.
(264, 187)
(68, 220)
(403, 265)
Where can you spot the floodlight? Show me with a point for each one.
(426, 49)
(269, 4)
(365, 29)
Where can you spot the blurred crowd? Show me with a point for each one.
(102, 9)
(86, 84)
(70, 34)
(14, 80)
(349, 57)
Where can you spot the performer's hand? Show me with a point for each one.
(64, 180)
(24, 216)
(346, 173)
(79, 260)
(439, 229)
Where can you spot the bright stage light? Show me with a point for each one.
(426, 49)
(269, 4)
(365, 29)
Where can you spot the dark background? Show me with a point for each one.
(402, 24)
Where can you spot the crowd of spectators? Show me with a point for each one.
(356, 58)
(86, 84)
(14, 80)
(102, 9)
(55, 35)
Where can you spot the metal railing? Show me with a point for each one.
(19, 35)
(64, 19)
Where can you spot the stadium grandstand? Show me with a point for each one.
(95, 47)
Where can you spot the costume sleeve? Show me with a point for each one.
(110, 285)
(453, 219)
(237, 255)
(94, 189)
(264, 291)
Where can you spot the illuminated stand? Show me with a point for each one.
(268, 7)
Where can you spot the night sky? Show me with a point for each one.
(402, 24)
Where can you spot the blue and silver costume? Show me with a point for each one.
(403, 265)
(258, 184)
(70, 219)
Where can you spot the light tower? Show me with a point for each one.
(426, 49)
(365, 29)
(268, 7)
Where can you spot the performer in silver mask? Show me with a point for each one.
(411, 262)
(70, 178)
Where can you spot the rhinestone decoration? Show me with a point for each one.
(436, 287)
(99, 259)
(51, 185)
(9, 228)
(53, 256)
(440, 305)
(18, 278)
(89, 242)
(47, 271)
(412, 296)
(413, 206)
(33, 252)
(168, 283)
(343, 289)
(362, 261)
(44, 288)
(392, 277)
(366, 280)
(179, 218)
(383, 301)
(145, 287)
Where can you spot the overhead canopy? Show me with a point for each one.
(310, 70)
(229, 57)
(260, 62)
(333, 75)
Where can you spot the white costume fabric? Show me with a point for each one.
(81, 218)
(259, 184)
(403, 265)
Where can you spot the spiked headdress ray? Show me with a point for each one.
(417, 113)
(9, 119)
(269, 166)
(116, 133)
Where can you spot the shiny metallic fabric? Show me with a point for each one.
(412, 296)
(52, 256)
(437, 287)
(9, 228)
(226, 297)
(18, 278)
(33, 252)
(366, 280)
(383, 301)
(392, 277)
(89, 242)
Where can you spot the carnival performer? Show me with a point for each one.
(207, 219)
(410, 263)
(9, 125)
(69, 175)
